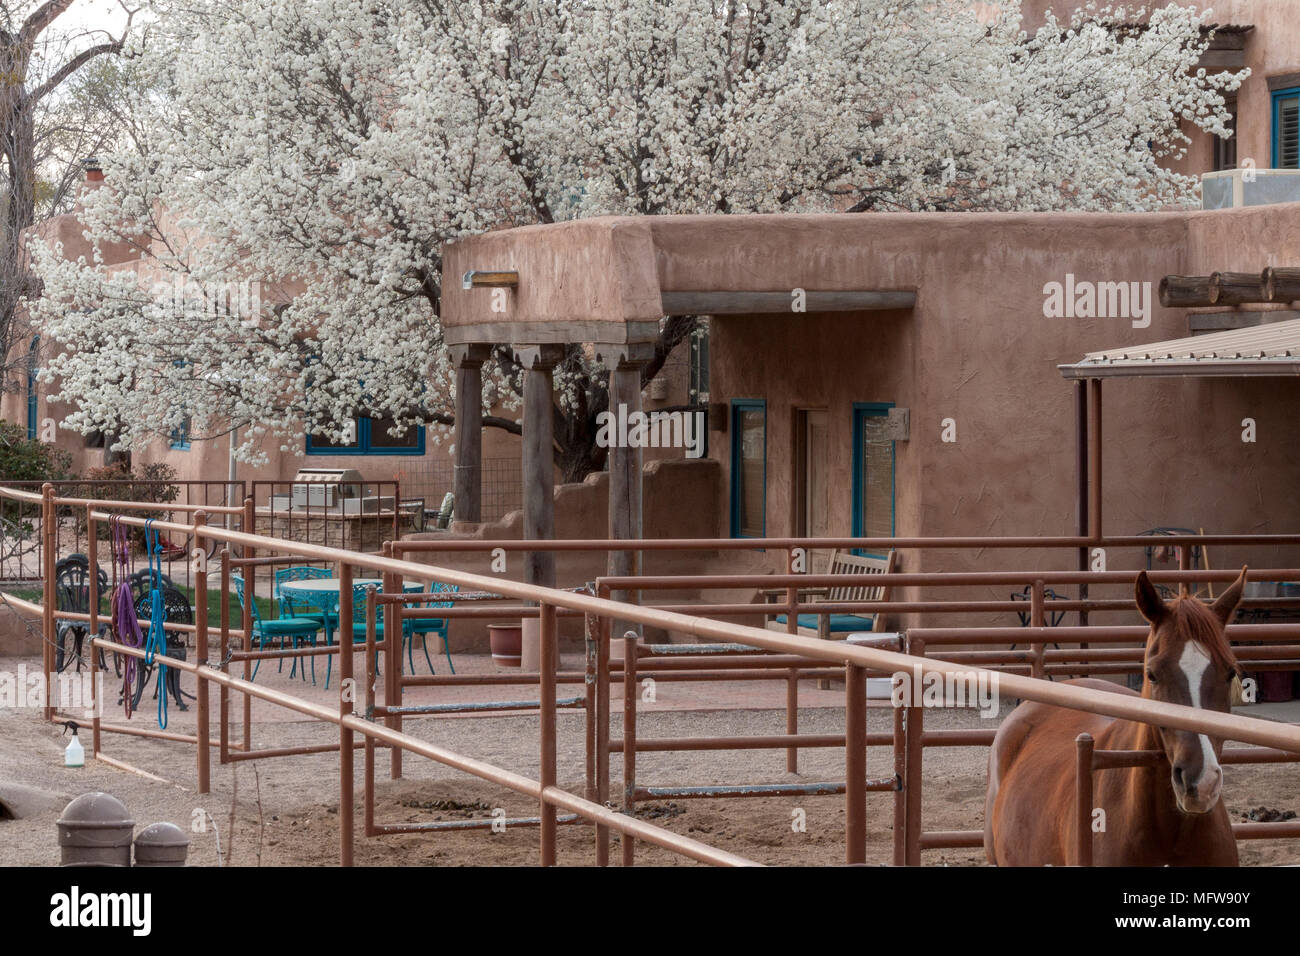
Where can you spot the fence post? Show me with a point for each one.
(629, 740)
(855, 763)
(393, 692)
(50, 541)
(900, 793)
(546, 683)
(368, 771)
(603, 690)
(347, 691)
(1083, 799)
(792, 679)
(248, 525)
(223, 693)
(200, 559)
(913, 732)
(1038, 619)
(589, 707)
(92, 549)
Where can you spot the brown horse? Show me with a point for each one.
(1169, 813)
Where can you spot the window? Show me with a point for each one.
(873, 471)
(1225, 150)
(1286, 129)
(748, 468)
(32, 409)
(370, 437)
(179, 439)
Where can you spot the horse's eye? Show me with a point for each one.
(1151, 676)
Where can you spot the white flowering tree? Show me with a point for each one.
(313, 156)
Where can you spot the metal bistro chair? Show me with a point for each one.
(300, 630)
(72, 594)
(424, 626)
(358, 627)
(176, 610)
(291, 608)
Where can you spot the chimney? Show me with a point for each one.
(94, 171)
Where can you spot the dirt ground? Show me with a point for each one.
(285, 811)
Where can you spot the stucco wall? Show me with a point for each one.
(978, 349)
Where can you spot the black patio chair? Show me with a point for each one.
(176, 610)
(72, 594)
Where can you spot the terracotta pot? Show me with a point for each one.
(506, 641)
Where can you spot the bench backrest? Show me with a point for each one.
(846, 562)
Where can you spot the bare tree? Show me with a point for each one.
(41, 137)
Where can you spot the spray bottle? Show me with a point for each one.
(75, 754)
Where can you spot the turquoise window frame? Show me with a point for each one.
(1278, 96)
(33, 405)
(862, 411)
(738, 407)
(363, 446)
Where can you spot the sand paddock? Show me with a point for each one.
(284, 811)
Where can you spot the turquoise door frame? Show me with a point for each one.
(861, 412)
(739, 406)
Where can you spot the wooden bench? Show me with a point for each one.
(837, 626)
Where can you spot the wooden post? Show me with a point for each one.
(539, 460)
(855, 764)
(625, 484)
(96, 677)
(468, 485)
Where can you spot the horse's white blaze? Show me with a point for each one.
(1194, 662)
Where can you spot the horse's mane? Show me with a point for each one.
(1196, 622)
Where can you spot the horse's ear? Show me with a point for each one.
(1149, 603)
(1226, 604)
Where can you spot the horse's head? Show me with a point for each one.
(1189, 661)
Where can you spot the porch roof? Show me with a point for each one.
(1268, 350)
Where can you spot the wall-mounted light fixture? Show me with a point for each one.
(476, 279)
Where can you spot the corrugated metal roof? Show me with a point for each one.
(1271, 349)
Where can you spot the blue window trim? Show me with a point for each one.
(179, 440)
(861, 411)
(739, 405)
(362, 446)
(33, 409)
(1277, 146)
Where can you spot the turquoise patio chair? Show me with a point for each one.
(299, 630)
(358, 627)
(424, 626)
(288, 606)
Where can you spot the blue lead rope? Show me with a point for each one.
(155, 645)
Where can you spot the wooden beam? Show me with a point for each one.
(1236, 288)
(467, 485)
(788, 301)
(1281, 285)
(1199, 323)
(1185, 292)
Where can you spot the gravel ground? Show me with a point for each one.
(285, 811)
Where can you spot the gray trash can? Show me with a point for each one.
(161, 844)
(95, 830)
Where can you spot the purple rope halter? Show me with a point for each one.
(126, 627)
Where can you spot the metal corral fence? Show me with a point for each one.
(23, 531)
(756, 649)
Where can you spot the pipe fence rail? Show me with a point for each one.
(721, 650)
